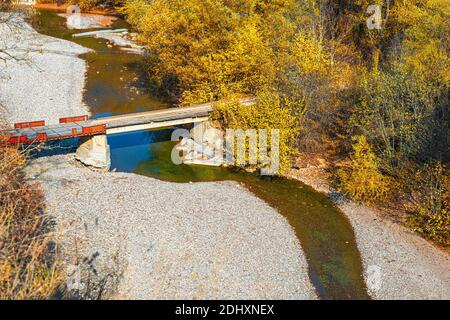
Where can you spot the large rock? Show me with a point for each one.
(94, 151)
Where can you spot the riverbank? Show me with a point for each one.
(63, 8)
(121, 232)
(134, 237)
(398, 263)
(45, 80)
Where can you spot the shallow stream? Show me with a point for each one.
(117, 83)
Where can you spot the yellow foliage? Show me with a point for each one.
(430, 203)
(309, 56)
(270, 112)
(363, 182)
(325, 74)
(85, 4)
(427, 34)
(25, 270)
(214, 47)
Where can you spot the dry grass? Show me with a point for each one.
(28, 267)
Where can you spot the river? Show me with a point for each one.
(117, 83)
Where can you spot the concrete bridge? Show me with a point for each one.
(93, 149)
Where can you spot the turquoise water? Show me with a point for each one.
(117, 83)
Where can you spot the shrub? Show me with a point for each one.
(27, 268)
(362, 181)
(270, 112)
(213, 47)
(430, 203)
(89, 4)
(46, 1)
(85, 4)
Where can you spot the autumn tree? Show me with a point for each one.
(330, 73)
(363, 181)
(202, 50)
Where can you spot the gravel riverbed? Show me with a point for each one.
(137, 237)
(398, 263)
(132, 237)
(45, 79)
(150, 239)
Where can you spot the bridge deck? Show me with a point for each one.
(159, 117)
(36, 132)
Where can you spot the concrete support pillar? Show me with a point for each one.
(206, 133)
(94, 151)
(205, 147)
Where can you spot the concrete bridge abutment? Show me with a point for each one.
(94, 151)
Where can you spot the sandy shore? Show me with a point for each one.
(133, 237)
(398, 263)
